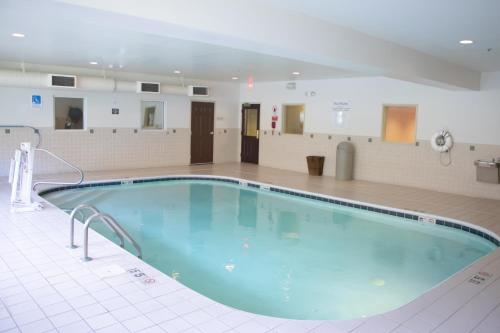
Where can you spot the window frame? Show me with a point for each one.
(384, 122)
(84, 110)
(283, 116)
(141, 115)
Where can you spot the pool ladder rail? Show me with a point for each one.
(108, 220)
(72, 166)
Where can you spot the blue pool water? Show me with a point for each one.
(280, 255)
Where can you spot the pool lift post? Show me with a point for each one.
(20, 178)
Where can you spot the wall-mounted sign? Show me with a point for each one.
(341, 106)
(274, 117)
(115, 111)
(36, 101)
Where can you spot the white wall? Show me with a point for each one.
(106, 149)
(471, 116)
(15, 107)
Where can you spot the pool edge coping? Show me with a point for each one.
(432, 292)
(406, 214)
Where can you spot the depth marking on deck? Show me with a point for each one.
(141, 276)
(480, 278)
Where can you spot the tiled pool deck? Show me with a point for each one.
(44, 287)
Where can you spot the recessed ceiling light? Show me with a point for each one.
(295, 73)
(18, 35)
(177, 71)
(466, 42)
(94, 63)
(235, 78)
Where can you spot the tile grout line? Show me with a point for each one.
(466, 303)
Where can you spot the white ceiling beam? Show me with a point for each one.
(245, 25)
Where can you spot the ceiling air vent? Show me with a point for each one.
(64, 81)
(197, 91)
(148, 87)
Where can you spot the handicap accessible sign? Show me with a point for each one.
(36, 101)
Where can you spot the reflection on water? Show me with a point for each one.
(288, 225)
(278, 255)
(247, 209)
(200, 207)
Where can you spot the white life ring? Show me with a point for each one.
(442, 141)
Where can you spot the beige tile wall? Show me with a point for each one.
(227, 145)
(374, 161)
(105, 150)
(391, 163)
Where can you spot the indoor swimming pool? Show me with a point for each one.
(273, 252)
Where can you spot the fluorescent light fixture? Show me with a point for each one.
(466, 42)
(18, 35)
(235, 78)
(177, 71)
(295, 73)
(94, 63)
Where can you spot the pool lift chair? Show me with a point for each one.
(21, 178)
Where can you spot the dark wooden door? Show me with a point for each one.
(250, 127)
(202, 132)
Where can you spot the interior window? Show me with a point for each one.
(153, 114)
(69, 113)
(251, 120)
(293, 118)
(399, 123)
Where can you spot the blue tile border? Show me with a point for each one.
(400, 214)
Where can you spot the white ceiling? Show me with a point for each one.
(430, 26)
(59, 34)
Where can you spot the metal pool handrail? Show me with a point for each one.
(35, 130)
(74, 167)
(94, 210)
(112, 221)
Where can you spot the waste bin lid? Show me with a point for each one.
(346, 146)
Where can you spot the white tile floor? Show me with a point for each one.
(44, 287)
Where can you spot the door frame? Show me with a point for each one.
(191, 101)
(249, 106)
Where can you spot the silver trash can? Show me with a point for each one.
(345, 161)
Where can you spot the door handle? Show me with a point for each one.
(257, 134)
(212, 133)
